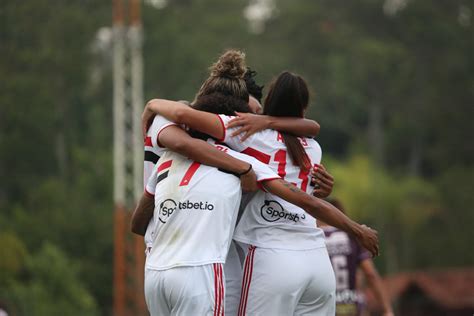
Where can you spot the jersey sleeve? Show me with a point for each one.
(153, 150)
(158, 125)
(234, 142)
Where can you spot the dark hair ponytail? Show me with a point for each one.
(289, 96)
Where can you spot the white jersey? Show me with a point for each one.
(153, 151)
(269, 221)
(195, 210)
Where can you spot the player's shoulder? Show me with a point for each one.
(312, 142)
(312, 147)
(268, 136)
(158, 122)
(225, 118)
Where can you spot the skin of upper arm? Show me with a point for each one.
(176, 139)
(296, 126)
(313, 128)
(204, 122)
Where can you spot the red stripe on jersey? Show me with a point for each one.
(148, 141)
(165, 165)
(189, 174)
(257, 154)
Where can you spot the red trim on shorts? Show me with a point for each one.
(263, 157)
(223, 128)
(246, 280)
(216, 298)
(218, 290)
(222, 289)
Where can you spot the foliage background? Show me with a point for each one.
(393, 89)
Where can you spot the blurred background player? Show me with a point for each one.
(346, 257)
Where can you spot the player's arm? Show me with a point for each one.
(177, 140)
(250, 124)
(204, 122)
(143, 214)
(210, 123)
(324, 211)
(375, 282)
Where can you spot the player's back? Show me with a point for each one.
(270, 221)
(195, 212)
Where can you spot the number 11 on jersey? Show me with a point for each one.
(280, 157)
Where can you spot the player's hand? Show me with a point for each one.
(248, 124)
(322, 180)
(369, 240)
(147, 119)
(249, 182)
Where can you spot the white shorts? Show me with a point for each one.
(287, 282)
(233, 278)
(194, 290)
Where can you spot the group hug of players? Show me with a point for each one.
(231, 201)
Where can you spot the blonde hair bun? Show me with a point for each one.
(231, 64)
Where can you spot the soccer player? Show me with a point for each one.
(175, 139)
(346, 257)
(280, 233)
(194, 218)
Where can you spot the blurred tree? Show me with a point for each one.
(51, 286)
(14, 255)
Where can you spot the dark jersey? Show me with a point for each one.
(346, 255)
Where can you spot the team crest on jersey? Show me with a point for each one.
(169, 206)
(273, 211)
